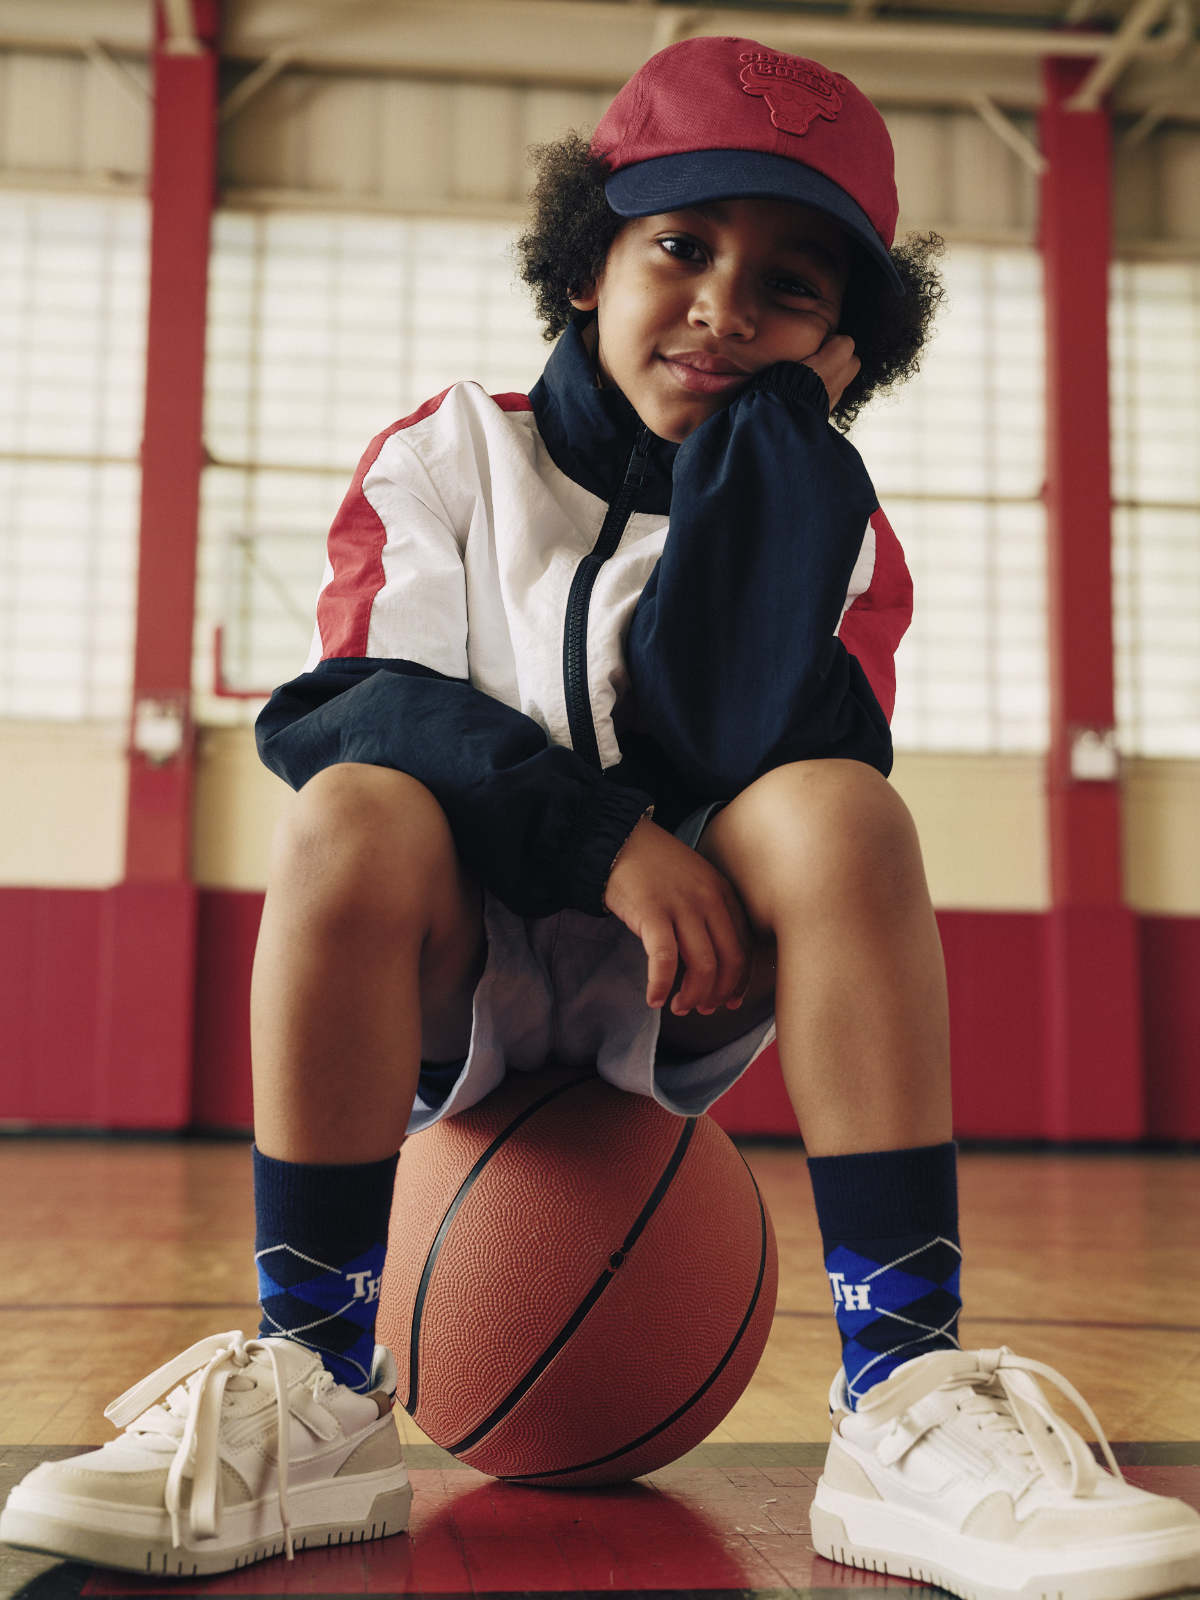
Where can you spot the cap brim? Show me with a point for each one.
(669, 183)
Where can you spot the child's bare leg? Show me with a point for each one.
(826, 860)
(371, 945)
(370, 927)
(861, 990)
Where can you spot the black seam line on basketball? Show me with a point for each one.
(523, 1385)
(439, 1238)
(661, 1427)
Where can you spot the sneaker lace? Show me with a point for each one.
(192, 1415)
(1005, 1399)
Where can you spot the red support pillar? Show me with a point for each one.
(150, 928)
(1094, 1077)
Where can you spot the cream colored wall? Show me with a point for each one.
(982, 827)
(238, 803)
(63, 804)
(981, 819)
(1161, 814)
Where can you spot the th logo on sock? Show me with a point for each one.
(853, 1296)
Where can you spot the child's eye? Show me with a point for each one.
(683, 249)
(797, 288)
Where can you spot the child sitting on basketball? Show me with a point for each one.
(592, 756)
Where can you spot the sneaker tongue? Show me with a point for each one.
(179, 1401)
(991, 1406)
(161, 1427)
(158, 1443)
(997, 1409)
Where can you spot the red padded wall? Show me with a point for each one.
(62, 1064)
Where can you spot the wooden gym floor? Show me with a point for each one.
(116, 1254)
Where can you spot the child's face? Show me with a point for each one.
(691, 303)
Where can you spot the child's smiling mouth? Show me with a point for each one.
(704, 374)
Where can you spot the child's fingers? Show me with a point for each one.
(714, 949)
(702, 968)
(836, 364)
(662, 954)
(730, 942)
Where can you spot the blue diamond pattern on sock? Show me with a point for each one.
(936, 1260)
(936, 1310)
(296, 1319)
(283, 1267)
(330, 1310)
(889, 1227)
(898, 1301)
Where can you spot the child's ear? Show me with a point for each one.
(586, 297)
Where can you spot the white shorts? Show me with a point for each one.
(570, 990)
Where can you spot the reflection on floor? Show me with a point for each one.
(1087, 1261)
(725, 1521)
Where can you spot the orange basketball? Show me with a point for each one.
(578, 1286)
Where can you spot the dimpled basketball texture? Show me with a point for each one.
(579, 1284)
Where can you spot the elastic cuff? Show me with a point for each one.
(604, 826)
(795, 382)
(886, 1193)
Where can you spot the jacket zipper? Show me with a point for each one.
(579, 701)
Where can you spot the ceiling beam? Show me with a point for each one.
(126, 26)
(1008, 133)
(121, 73)
(590, 34)
(180, 36)
(598, 44)
(1134, 30)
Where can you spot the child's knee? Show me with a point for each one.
(359, 835)
(838, 830)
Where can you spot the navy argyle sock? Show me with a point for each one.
(321, 1238)
(889, 1225)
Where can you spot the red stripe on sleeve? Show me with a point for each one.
(878, 619)
(356, 540)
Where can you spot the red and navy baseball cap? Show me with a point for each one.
(715, 118)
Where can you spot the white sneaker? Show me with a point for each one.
(198, 1484)
(955, 1471)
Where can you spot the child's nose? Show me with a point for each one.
(725, 306)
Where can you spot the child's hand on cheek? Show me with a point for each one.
(836, 364)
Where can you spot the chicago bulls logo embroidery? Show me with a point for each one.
(797, 92)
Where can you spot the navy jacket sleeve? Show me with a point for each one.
(534, 822)
(732, 647)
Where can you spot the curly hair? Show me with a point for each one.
(572, 227)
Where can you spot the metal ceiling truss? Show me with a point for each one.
(598, 43)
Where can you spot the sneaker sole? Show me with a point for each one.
(30, 1529)
(859, 1535)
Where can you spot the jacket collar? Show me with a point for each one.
(590, 432)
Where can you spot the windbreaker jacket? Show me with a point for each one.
(556, 620)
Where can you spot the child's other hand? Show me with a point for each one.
(836, 365)
(683, 910)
